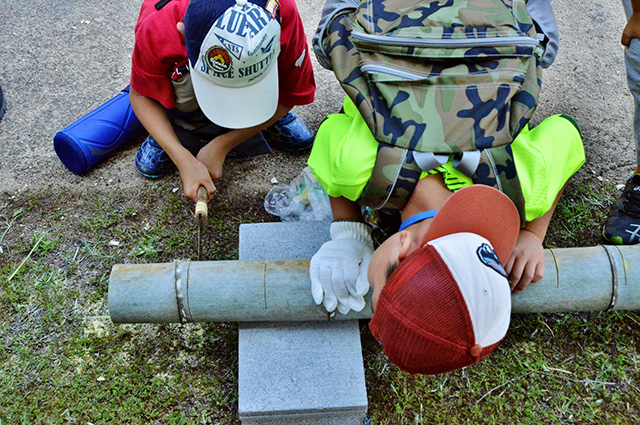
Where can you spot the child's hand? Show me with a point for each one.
(526, 263)
(195, 174)
(212, 156)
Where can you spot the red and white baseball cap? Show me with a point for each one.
(448, 304)
(233, 48)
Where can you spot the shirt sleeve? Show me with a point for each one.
(157, 50)
(344, 153)
(545, 157)
(297, 83)
(331, 9)
(542, 14)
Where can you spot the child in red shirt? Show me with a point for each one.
(210, 77)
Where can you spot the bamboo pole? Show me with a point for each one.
(576, 279)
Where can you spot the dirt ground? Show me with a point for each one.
(63, 59)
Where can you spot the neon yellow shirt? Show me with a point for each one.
(344, 154)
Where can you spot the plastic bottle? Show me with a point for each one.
(302, 200)
(94, 137)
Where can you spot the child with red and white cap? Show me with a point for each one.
(442, 283)
(213, 77)
(447, 302)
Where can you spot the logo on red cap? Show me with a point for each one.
(489, 258)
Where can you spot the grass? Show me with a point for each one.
(570, 368)
(579, 217)
(63, 361)
(62, 358)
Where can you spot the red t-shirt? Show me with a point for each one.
(159, 49)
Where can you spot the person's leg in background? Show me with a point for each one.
(623, 226)
(3, 104)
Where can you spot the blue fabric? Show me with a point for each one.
(3, 104)
(290, 133)
(152, 161)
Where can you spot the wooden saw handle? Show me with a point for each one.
(202, 210)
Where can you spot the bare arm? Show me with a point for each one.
(214, 153)
(526, 263)
(153, 117)
(632, 29)
(344, 209)
(207, 166)
(540, 225)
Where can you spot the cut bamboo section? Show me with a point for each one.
(576, 279)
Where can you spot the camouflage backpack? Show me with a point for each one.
(435, 78)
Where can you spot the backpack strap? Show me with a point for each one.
(162, 3)
(542, 15)
(468, 163)
(395, 175)
(427, 161)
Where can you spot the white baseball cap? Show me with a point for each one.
(233, 48)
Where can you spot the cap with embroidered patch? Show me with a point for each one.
(233, 48)
(448, 304)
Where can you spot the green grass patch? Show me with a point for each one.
(552, 369)
(63, 361)
(579, 217)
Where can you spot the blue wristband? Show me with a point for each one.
(416, 218)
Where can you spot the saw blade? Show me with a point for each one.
(200, 226)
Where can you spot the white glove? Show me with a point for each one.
(338, 270)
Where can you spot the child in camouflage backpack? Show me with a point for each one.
(442, 283)
(342, 160)
(483, 220)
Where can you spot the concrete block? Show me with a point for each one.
(297, 373)
(301, 369)
(327, 418)
(282, 241)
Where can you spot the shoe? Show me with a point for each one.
(152, 161)
(623, 226)
(3, 105)
(290, 133)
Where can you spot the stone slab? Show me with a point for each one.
(282, 241)
(327, 418)
(297, 373)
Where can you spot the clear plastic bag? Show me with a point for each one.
(302, 200)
